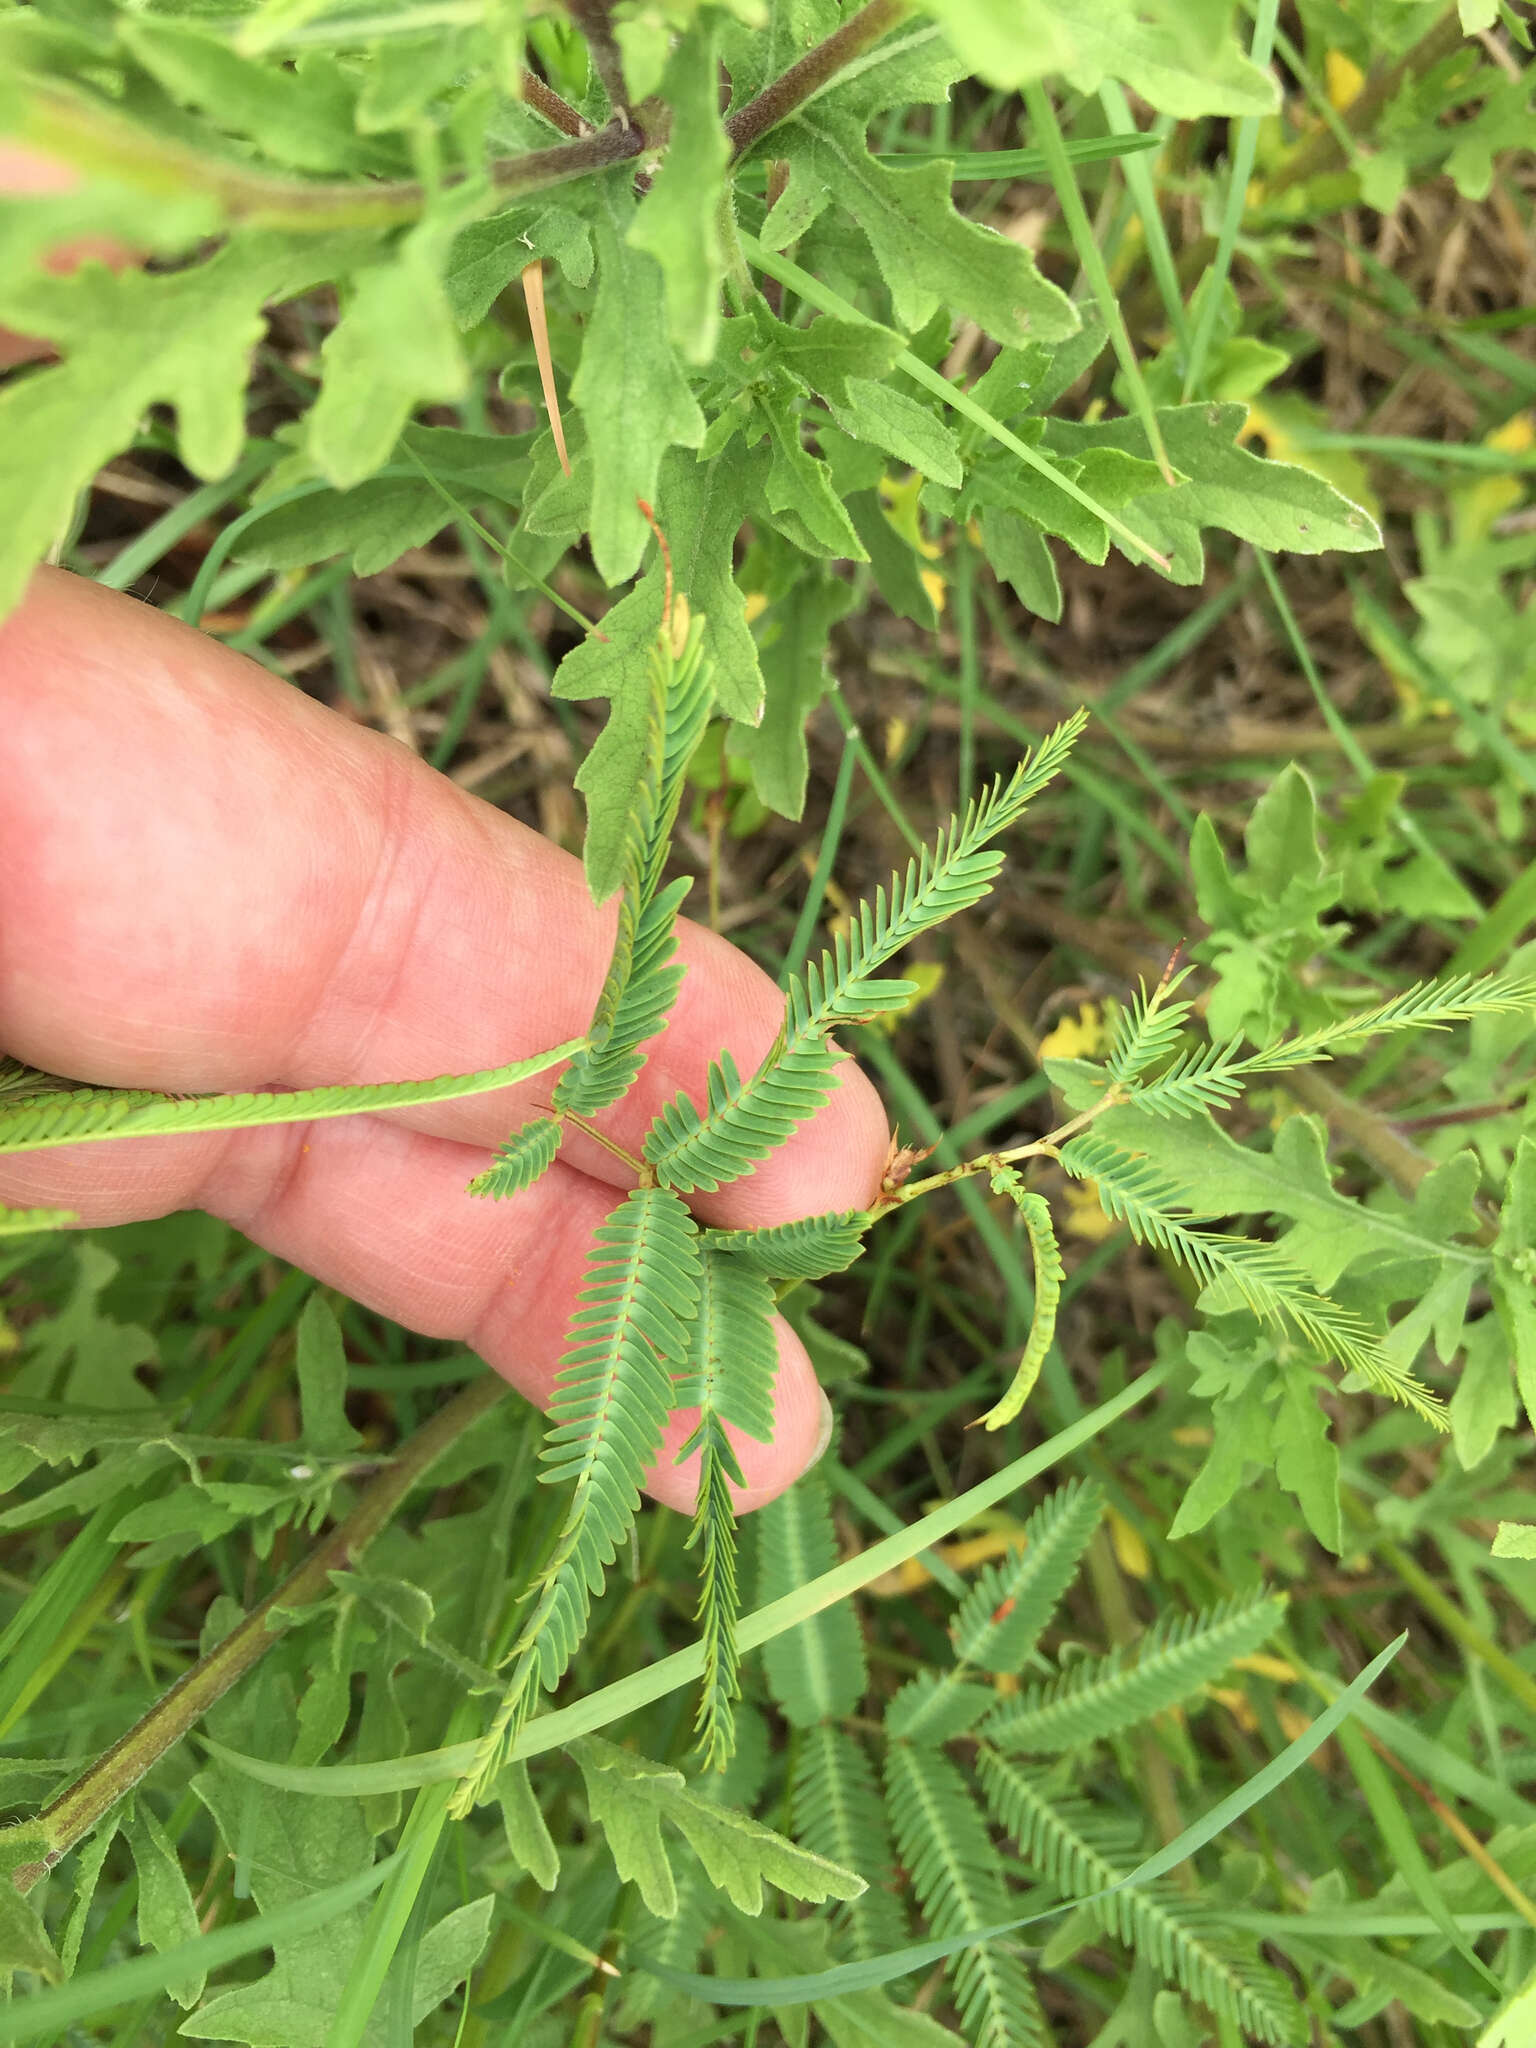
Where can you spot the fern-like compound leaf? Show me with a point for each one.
(1425, 1006)
(526, 1155)
(1002, 1617)
(942, 1840)
(935, 1707)
(714, 1534)
(744, 1121)
(1049, 1274)
(816, 1670)
(1147, 1029)
(1106, 1695)
(839, 1813)
(807, 1249)
(641, 983)
(1213, 1076)
(1135, 1191)
(77, 1116)
(734, 1360)
(18, 1081)
(1204, 1077)
(735, 1354)
(641, 1001)
(689, 699)
(629, 1337)
(1079, 1852)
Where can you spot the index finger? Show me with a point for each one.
(217, 883)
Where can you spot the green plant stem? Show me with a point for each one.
(1519, 1683)
(832, 832)
(985, 1162)
(1244, 149)
(776, 102)
(1323, 152)
(890, 802)
(1136, 169)
(94, 138)
(547, 1731)
(827, 301)
(593, 18)
(600, 1138)
(77, 1809)
(557, 112)
(1047, 132)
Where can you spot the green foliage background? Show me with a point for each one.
(861, 414)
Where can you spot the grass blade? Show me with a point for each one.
(850, 1977)
(86, 1998)
(817, 294)
(583, 1717)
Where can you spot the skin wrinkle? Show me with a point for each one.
(237, 979)
(725, 998)
(377, 909)
(154, 785)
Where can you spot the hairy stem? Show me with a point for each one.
(985, 1162)
(94, 138)
(557, 112)
(77, 1809)
(592, 17)
(776, 102)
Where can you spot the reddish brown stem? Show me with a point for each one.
(558, 112)
(776, 102)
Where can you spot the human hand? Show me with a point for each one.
(211, 882)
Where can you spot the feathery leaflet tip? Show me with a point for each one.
(730, 1376)
(1132, 1189)
(528, 1153)
(629, 1336)
(745, 1120)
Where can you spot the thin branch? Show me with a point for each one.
(77, 1810)
(592, 18)
(581, 1123)
(95, 137)
(84, 133)
(1375, 1136)
(557, 112)
(1322, 152)
(776, 102)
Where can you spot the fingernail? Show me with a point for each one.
(823, 1429)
